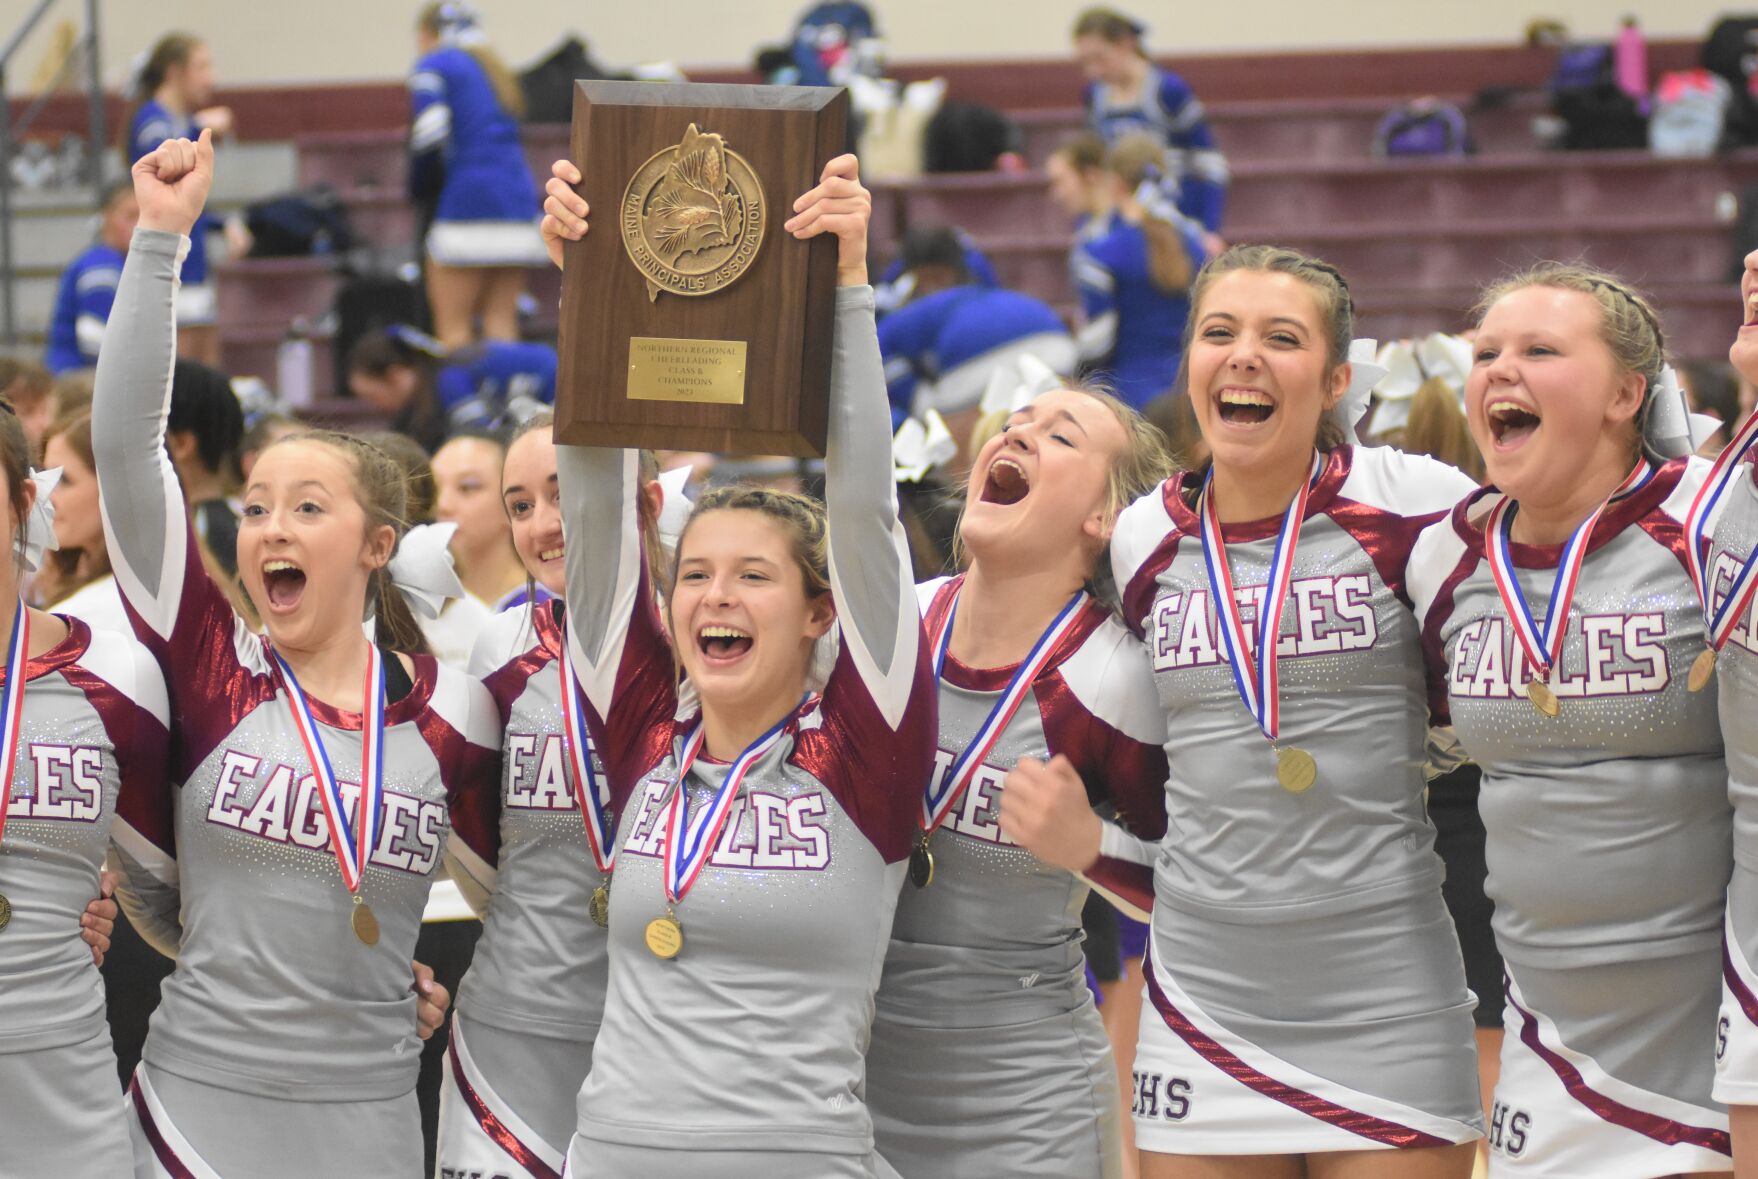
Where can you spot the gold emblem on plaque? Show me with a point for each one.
(693, 216)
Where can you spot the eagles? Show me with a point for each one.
(694, 208)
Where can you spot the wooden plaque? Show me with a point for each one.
(690, 319)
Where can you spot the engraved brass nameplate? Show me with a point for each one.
(702, 372)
